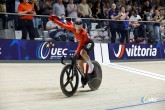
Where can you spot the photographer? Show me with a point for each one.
(138, 27)
(157, 18)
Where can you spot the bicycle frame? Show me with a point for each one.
(80, 71)
(74, 64)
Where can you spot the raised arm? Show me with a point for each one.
(65, 26)
(161, 18)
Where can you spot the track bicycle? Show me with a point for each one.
(69, 78)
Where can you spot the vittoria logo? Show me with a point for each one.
(47, 50)
(135, 51)
(120, 52)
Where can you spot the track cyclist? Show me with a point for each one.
(85, 45)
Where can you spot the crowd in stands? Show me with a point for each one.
(133, 10)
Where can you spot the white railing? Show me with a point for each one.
(4, 13)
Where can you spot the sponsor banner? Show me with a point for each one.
(136, 51)
(36, 50)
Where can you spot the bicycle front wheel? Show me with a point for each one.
(69, 80)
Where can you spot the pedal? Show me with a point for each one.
(83, 86)
(83, 81)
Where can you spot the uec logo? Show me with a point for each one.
(46, 49)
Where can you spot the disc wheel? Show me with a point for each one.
(95, 83)
(69, 80)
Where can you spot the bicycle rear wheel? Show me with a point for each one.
(69, 80)
(95, 83)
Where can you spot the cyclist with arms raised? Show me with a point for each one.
(85, 45)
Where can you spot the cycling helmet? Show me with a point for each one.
(78, 21)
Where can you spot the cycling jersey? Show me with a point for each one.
(82, 37)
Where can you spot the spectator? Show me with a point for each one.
(90, 5)
(45, 9)
(10, 8)
(100, 3)
(16, 17)
(124, 25)
(65, 2)
(35, 4)
(136, 7)
(111, 1)
(150, 24)
(120, 3)
(113, 15)
(58, 8)
(160, 6)
(151, 3)
(97, 13)
(162, 31)
(76, 1)
(138, 28)
(145, 10)
(84, 10)
(137, 2)
(26, 21)
(72, 9)
(106, 10)
(53, 29)
(129, 6)
(17, 2)
(157, 18)
(3, 9)
(58, 33)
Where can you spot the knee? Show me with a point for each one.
(82, 52)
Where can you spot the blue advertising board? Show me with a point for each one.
(136, 51)
(51, 50)
(36, 50)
